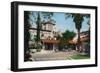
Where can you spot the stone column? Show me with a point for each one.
(76, 48)
(43, 46)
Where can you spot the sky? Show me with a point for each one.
(63, 24)
(68, 24)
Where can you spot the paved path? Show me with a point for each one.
(50, 55)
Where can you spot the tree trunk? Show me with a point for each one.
(38, 29)
(78, 41)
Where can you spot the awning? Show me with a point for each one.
(81, 40)
(50, 41)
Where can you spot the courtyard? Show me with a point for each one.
(46, 55)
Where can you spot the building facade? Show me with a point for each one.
(48, 35)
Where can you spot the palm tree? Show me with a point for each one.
(77, 19)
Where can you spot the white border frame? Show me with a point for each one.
(22, 64)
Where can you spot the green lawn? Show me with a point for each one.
(79, 56)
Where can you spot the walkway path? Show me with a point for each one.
(50, 55)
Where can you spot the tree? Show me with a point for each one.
(78, 19)
(26, 34)
(38, 27)
(66, 37)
